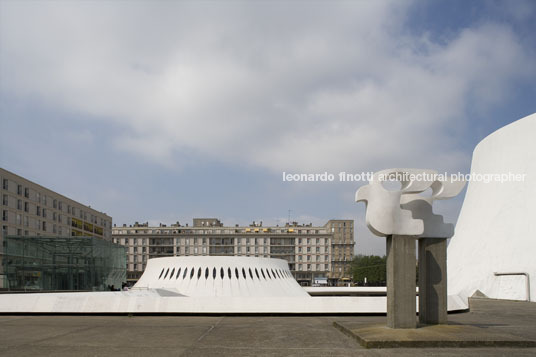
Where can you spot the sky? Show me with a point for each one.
(161, 111)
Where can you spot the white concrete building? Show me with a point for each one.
(495, 240)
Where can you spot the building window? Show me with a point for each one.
(4, 200)
(60, 205)
(26, 221)
(38, 210)
(19, 189)
(4, 215)
(26, 207)
(5, 184)
(55, 203)
(26, 192)
(44, 213)
(44, 226)
(19, 219)
(19, 204)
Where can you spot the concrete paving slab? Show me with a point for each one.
(31, 334)
(451, 335)
(86, 351)
(276, 333)
(240, 335)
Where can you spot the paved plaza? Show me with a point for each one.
(26, 335)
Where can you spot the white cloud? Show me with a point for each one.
(276, 86)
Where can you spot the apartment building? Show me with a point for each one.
(311, 251)
(29, 209)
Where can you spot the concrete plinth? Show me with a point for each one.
(433, 281)
(401, 285)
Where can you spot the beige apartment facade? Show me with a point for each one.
(29, 209)
(313, 252)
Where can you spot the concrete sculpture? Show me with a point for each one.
(384, 214)
(402, 216)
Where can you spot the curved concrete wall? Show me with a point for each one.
(496, 230)
(205, 276)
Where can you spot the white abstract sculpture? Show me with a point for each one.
(402, 216)
(406, 211)
(421, 208)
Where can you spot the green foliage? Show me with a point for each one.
(371, 267)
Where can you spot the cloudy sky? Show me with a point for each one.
(165, 111)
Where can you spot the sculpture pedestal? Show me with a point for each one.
(401, 285)
(433, 281)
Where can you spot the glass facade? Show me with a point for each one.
(54, 263)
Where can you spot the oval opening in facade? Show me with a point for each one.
(162, 272)
(167, 271)
(178, 273)
(172, 272)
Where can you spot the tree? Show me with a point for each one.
(372, 267)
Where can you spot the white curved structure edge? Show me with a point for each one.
(205, 285)
(156, 301)
(496, 231)
(221, 276)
